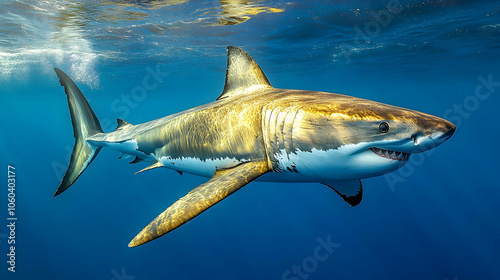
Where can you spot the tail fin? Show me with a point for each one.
(85, 124)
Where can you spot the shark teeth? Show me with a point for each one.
(400, 156)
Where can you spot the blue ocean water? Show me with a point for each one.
(436, 218)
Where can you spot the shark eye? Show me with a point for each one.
(383, 127)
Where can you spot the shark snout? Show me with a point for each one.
(425, 141)
(444, 130)
(447, 135)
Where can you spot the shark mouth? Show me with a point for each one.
(400, 156)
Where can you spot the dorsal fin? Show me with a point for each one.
(242, 73)
(121, 124)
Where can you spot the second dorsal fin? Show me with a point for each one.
(121, 124)
(242, 73)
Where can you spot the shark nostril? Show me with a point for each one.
(417, 138)
(414, 137)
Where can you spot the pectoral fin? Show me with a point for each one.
(350, 191)
(222, 184)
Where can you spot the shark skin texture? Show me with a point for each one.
(255, 132)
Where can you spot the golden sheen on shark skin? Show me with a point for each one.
(255, 132)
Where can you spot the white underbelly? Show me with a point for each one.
(299, 166)
(196, 166)
(329, 165)
(128, 147)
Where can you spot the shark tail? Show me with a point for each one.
(85, 124)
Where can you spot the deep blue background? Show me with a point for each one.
(436, 218)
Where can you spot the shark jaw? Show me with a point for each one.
(416, 144)
(392, 155)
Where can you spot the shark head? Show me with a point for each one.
(337, 137)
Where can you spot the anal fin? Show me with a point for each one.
(350, 191)
(124, 156)
(136, 160)
(152, 166)
(220, 186)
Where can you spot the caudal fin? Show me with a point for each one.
(85, 124)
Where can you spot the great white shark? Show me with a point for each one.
(254, 131)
